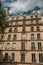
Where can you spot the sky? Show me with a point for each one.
(18, 6)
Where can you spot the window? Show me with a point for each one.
(10, 30)
(41, 58)
(32, 29)
(15, 37)
(31, 17)
(39, 46)
(33, 58)
(23, 29)
(38, 36)
(17, 18)
(37, 28)
(37, 22)
(8, 46)
(12, 18)
(24, 17)
(9, 37)
(23, 36)
(1, 37)
(22, 57)
(5, 57)
(16, 23)
(11, 23)
(0, 46)
(32, 46)
(32, 37)
(13, 46)
(24, 22)
(32, 22)
(12, 57)
(22, 46)
(15, 30)
(36, 16)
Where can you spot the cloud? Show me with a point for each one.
(23, 5)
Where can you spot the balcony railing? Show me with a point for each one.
(12, 48)
(7, 48)
(28, 23)
(29, 18)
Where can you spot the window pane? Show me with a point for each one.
(12, 57)
(38, 36)
(37, 28)
(22, 46)
(0, 46)
(23, 29)
(23, 36)
(32, 37)
(24, 17)
(16, 23)
(32, 46)
(15, 30)
(13, 46)
(8, 46)
(9, 37)
(33, 58)
(37, 22)
(31, 17)
(41, 58)
(32, 22)
(39, 46)
(24, 22)
(5, 57)
(36, 16)
(32, 29)
(15, 37)
(22, 57)
(17, 18)
(10, 30)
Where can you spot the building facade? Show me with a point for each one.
(22, 42)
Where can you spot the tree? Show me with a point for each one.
(3, 21)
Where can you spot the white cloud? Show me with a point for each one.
(23, 5)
